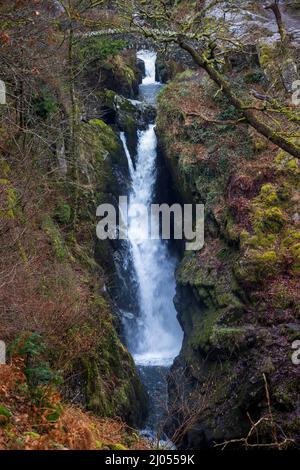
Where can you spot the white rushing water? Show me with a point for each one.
(157, 335)
(149, 58)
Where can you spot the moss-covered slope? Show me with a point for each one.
(237, 298)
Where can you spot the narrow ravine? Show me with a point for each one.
(154, 335)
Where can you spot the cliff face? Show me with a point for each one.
(54, 273)
(237, 299)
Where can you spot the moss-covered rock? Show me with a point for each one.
(111, 383)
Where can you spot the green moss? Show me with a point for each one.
(113, 387)
(231, 228)
(109, 98)
(287, 162)
(98, 146)
(260, 240)
(184, 76)
(228, 339)
(96, 48)
(257, 266)
(117, 447)
(268, 195)
(106, 136)
(63, 212)
(53, 233)
(267, 257)
(203, 329)
(291, 250)
(267, 54)
(260, 144)
(269, 220)
(5, 167)
(109, 143)
(11, 198)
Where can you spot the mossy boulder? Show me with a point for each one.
(113, 387)
(130, 116)
(122, 75)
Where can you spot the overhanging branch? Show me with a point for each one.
(248, 113)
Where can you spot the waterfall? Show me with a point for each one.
(155, 337)
(158, 335)
(149, 58)
(130, 164)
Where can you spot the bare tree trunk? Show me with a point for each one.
(276, 10)
(249, 114)
(73, 118)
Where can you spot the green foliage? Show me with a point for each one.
(230, 339)
(256, 76)
(117, 447)
(44, 106)
(53, 233)
(5, 412)
(37, 371)
(63, 212)
(41, 374)
(95, 48)
(54, 415)
(270, 220)
(184, 76)
(10, 198)
(42, 398)
(229, 113)
(31, 344)
(33, 435)
(268, 195)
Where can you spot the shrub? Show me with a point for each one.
(229, 113)
(95, 48)
(256, 76)
(32, 348)
(53, 233)
(44, 106)
(63, 212)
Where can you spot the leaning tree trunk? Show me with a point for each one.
(248, 113)
(276, 10)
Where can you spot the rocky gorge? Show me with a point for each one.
(145, 121)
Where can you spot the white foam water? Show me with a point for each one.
(155, 338)
(149, 58)
(158, 335)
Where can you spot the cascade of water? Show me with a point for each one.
(157, 336)
(149, 58)
(127, 153)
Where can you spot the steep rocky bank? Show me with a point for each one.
(62, 320)
(69, 94)
(237, 298)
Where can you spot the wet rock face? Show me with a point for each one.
(130, 116)
(163, 74)
(141, 66)
(243, 59)
(289, 75)
(106, 380)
